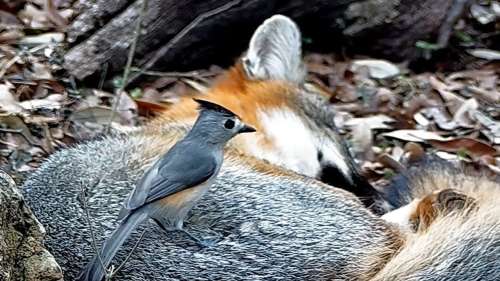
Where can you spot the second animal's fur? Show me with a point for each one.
(278, 222)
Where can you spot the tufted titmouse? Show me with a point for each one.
(172, 186)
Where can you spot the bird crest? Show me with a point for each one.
(203, 104)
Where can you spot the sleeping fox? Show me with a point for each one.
(288, 204)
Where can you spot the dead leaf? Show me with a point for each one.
(362, 141)
(414, 135)
(397, 153)
(491, 96)
(10, 36)
(53, 15)
(440, 118)
(447, 156)
(102, 94)
(146, 107)
(7, 101)
(374, 122)
(127, 108)
(414, 152)
(9, 21)
(195, 85)
(421, 120)
(15, 123)
(453, 102)
(40, 71)
(99, 115)
(390, 162)
(474, 148)
(46, 38)
(464, 116)
(40, 120)
(36, 104)
(492, 127)
(486, 54)
(378, 69)
(341, 118)
(150, 94)
(33, 17)
(482, 14)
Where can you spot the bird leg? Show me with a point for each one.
(204, 243)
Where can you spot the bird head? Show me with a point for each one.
(218, 124)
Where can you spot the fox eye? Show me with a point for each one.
(229, 124)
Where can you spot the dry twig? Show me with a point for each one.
(163, 50)
(130, 58)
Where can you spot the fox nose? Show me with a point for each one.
(246, 129)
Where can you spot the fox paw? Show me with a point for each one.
(440, 203)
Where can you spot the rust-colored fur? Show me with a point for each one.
(239, 94)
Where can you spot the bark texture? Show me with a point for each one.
(103, 32)
(22, 253)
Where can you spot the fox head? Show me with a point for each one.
(294, 120)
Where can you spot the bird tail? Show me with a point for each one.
(94, 270)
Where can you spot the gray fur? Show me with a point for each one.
(190, 166)
(275, 51)
(274, 228)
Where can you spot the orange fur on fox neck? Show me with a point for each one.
(233, 90)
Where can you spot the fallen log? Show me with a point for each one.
(103, 32)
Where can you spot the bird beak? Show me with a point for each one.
(246, 129)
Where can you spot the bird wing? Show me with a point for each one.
(173, 173)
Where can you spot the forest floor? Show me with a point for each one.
(386, 111)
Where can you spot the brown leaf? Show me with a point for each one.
(441, 118)
(127, 108)
(10, 36)
(464, 116)
(40, 71)
(147, 108)
(414, 151)
(13, 122)
(51, 102)
(100, 115)
(492, 127)
(7, 101)
(53, 15)
(390, 162)
(474, 148)
(453, 101)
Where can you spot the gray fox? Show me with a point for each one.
(276, 207)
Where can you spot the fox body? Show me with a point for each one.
(457, 233)
(274, 201)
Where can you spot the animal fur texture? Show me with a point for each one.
(458, 243)
(278, 221)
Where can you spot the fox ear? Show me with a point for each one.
(275, 51)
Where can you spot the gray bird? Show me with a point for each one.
(172, 186)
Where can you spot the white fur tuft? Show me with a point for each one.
(275, 51)
(295, 144)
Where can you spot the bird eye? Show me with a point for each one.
(229, 124)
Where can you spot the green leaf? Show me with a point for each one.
(117, 82)
(389, 174)
(136, 93)
(463, 153)
(426, 45)
(464, 37)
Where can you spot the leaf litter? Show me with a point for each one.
(388, 114)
